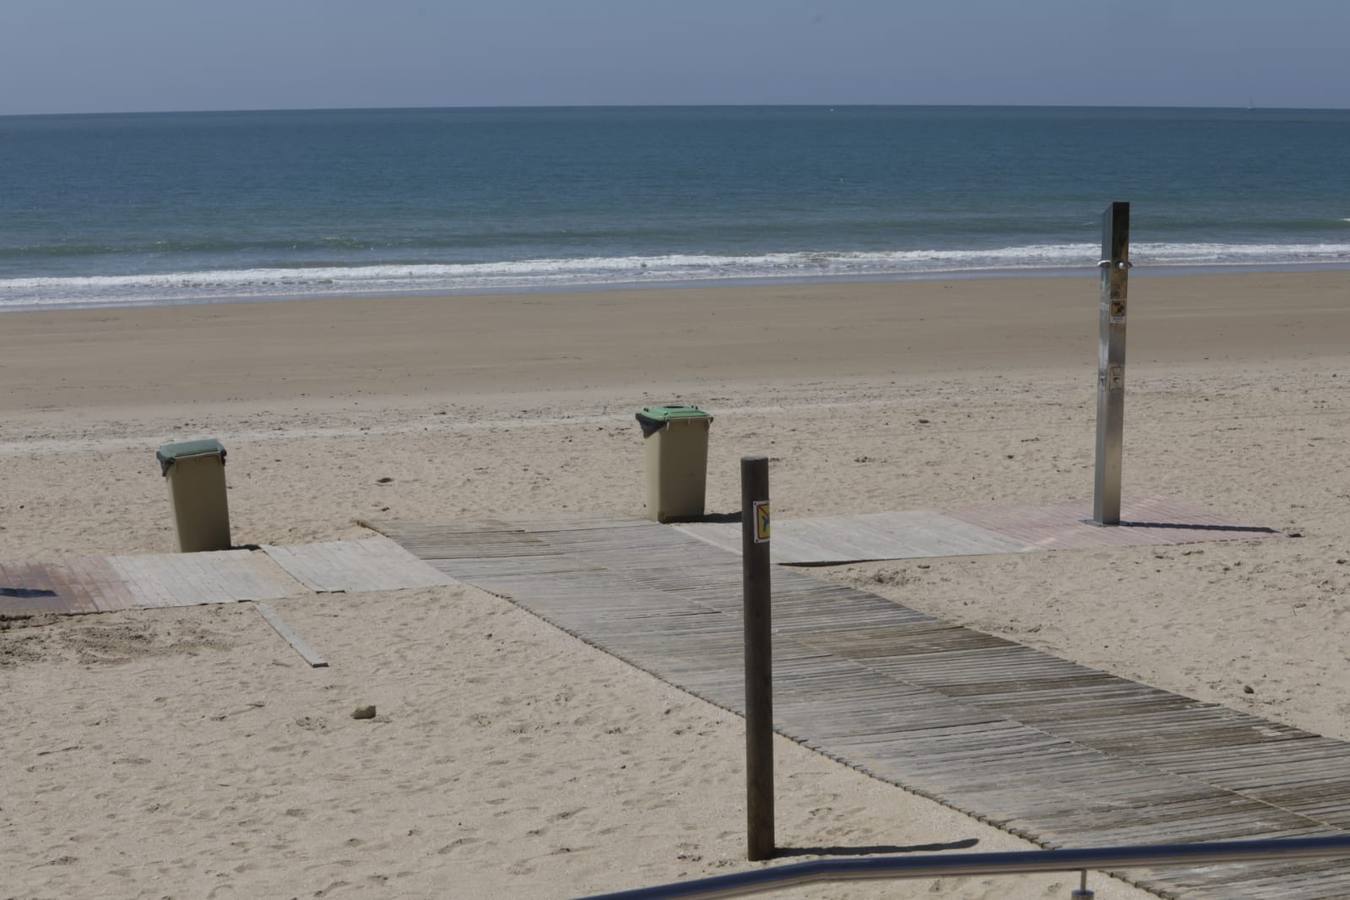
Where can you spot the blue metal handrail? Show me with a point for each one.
(758, 881)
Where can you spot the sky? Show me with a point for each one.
(156, 55)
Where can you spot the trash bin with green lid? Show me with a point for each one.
(195, 471)
(676, 439)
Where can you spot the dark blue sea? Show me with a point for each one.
(159, 208)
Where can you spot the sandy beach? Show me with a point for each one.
(189, 752)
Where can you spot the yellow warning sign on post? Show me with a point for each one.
(761, 521)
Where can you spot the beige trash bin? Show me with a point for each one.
(195, 471)
(676, 447)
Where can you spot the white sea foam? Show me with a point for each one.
(98, 290)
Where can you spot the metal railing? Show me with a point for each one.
(741, 884)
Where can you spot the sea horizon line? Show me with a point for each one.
(1242, 107)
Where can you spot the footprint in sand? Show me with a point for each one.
(456, 844)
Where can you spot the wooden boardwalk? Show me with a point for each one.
(1060, 753)
(975, 531)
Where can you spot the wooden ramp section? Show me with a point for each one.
(73, 585)
(1058, 752)
(91, 584)
(977, 531)
(369, 564)
(1153, 520)
(189, 579)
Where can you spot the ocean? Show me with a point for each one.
(198, 207)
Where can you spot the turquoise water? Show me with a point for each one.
(154, 208)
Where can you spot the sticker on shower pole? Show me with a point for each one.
(761, 513)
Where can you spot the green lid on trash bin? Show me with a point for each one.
(654, 418)
(171, 453)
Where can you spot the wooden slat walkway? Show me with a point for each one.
(189, 579)
(91, 584)
(74, 585)
(369, 564)
(1151, 520)
(976, 531)
(88, 584)
(1055, 751)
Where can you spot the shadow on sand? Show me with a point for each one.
(1253, 529)
(876, 849)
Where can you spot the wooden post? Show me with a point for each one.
(758, 657)
(1115, 266)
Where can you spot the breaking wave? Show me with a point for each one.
(544, 274)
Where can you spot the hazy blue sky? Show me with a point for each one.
(113, 55)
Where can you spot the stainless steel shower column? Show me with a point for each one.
(1115, 266)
